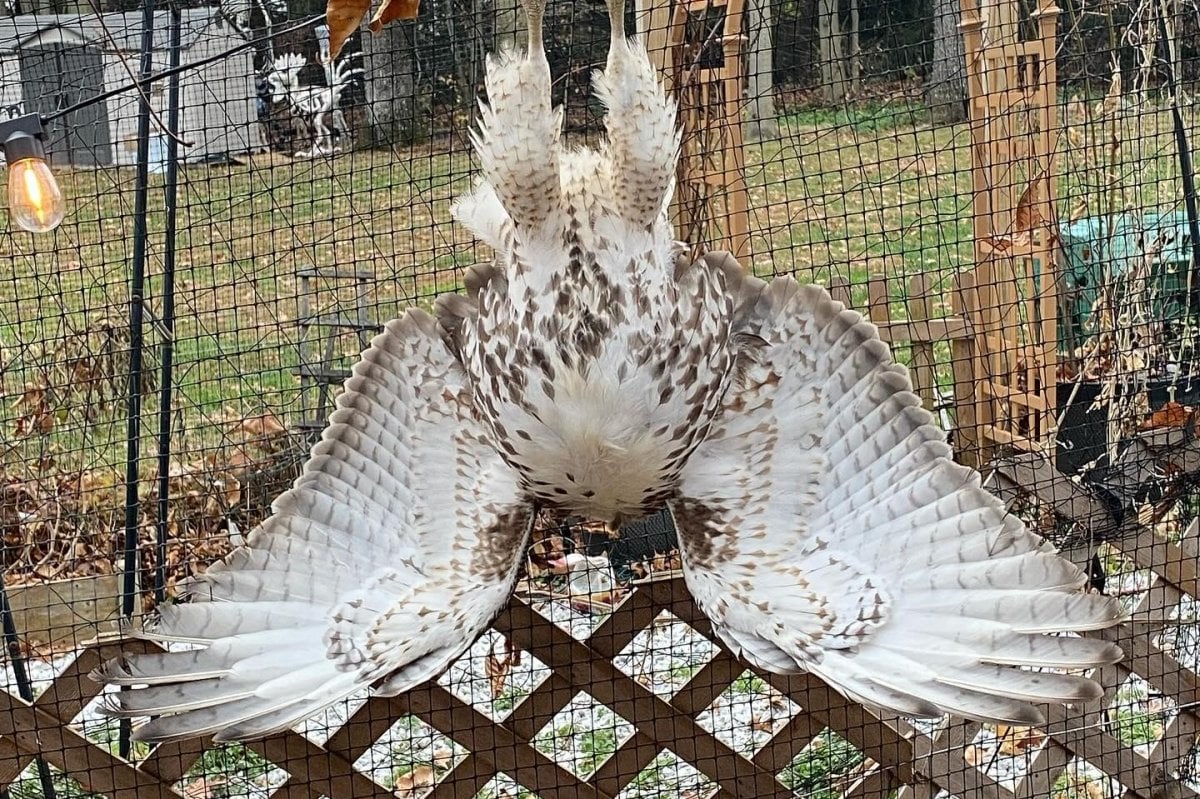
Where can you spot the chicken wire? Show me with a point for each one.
(297, 234)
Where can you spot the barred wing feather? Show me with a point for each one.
(825, 528)
(386, 559)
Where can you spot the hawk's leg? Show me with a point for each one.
(642, 138)
(517, 141)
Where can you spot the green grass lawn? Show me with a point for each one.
(841, 193)
(245, 233)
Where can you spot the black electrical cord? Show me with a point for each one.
(1185, 163)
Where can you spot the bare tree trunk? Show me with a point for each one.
(855, 50)
(947, 89)
(832, 50)
(396, 114)
(466, 50)
(509, 24)
(760, 110)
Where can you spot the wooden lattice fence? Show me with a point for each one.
(899, 754)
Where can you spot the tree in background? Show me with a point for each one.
(396, 114)
(946, 88)
(838, 48)
(760, 107)
(509, 25)
(831, 46)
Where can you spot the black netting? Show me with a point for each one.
(1006, 191)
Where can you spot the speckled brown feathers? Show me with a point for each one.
(588, 370)
(824, 528)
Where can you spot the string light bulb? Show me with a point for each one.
(35, 202)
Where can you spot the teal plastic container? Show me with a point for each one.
(1090, 250)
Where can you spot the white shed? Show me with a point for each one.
(51, 61)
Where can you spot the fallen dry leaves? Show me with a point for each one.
(1170, 415)
(58, 522)
(1018, 740)
(497, 667)
(415, 782)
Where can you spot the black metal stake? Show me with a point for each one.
(137, 302)
(167, 320)
(1185, 164)
(24, 687)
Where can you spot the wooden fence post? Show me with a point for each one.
(970, 404)
(920, 311)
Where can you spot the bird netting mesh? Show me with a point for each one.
(1006, 190)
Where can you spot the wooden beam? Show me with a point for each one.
(34, 731)
(642, 708)
(493, 741)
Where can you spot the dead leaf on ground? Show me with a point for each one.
(1170, 415)
(37, 418)
(1018, 740)
(762, 723)
(414, 782)
(203, 788)
(443, 757)
(497, 667)
(973, 755)
(263, 431)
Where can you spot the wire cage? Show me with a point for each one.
(1005, 190)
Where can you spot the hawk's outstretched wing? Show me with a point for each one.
(824, 527)
(391, 553)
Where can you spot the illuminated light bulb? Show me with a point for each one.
(34, 199)
(35, 202)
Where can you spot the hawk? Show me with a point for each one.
(590, 371)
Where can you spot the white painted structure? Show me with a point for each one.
(50, 61)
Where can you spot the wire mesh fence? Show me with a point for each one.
(1006, 191)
